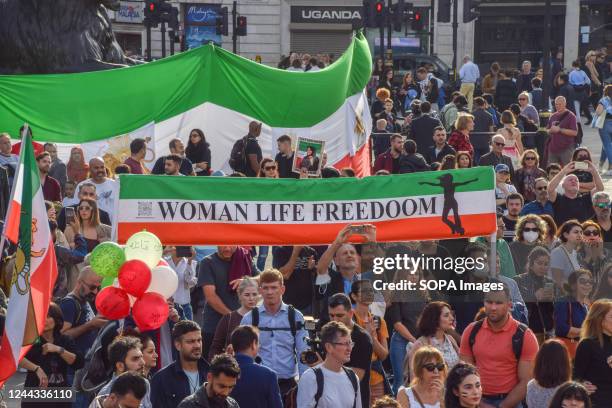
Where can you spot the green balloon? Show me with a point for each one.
(106, 259)
(108, 281)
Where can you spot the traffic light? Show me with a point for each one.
(222, 22)
(152, 12)
(241, 26)
(399, 15)
(444, 11)
(470, 11)
(379, 14)
(417, 21)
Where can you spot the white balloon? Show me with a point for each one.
(144, 246)
(163, 281)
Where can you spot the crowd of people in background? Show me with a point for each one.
(238, 333)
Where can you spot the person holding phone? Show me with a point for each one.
(86, 222)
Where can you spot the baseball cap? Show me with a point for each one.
(502, 168)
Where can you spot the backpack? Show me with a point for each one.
(291, 397)
(237, 159)
(517, 338)
(291, 317)
(77, 306)
(96, 371)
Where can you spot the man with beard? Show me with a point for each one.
(390, 159)
(176, 148)
(220, 381)
(106, 188)
(541, 205)
(504, 371)
(50, 186)
(80, 321)
(87, 191)
(603, 217)
(127, 392)
(182, 378)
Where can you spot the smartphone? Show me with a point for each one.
(581, 165)
(358, 229)
(183, 252)
(549, 286)
(70, 215)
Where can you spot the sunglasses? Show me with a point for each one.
(499, 144)
(541, 188)
(94, 287)
(270, 168)
(604, 205)
(431, 367)
(530, 158)
(85, 208)
(584, 281)
(591, 233)
(531, 230)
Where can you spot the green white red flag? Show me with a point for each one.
(35, 267)
(259, 211)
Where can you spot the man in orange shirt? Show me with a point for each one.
(503, 350)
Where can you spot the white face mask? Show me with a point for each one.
(530, 236)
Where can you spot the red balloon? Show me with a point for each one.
(113, 303)
(134, 277)
(162, 262)
(150, 311)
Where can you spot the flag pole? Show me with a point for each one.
(26, 129)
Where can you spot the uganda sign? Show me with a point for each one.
(259, 211)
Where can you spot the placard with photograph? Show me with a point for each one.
(308, 155)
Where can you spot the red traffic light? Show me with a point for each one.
(152, 7)
(417, 16)
(379, 6)
(242, 21)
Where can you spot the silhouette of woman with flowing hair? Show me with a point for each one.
(450, 203)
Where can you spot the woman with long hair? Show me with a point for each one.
(464, 160)
(530, 233)
(378, 107)
(409, 90)
(571, 310)
(427, 387)
(525, 177)
(551, 231)
(76, 169)
(571, 395)
(513, 143)
(593, 363)
(552, 368)
(564, 258)
(248, 295)
(87, 224)
(538, 292)
(582, 154)
(463, 388)
(592, 254)
(198, 152)
(268, 168)
(50, 358)
(434, 323)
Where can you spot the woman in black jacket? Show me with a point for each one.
(48, 360)
(198, 151)
(506, 92)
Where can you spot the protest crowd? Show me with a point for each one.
(306, 326)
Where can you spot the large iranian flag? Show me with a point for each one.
(259, 211)
(206, 88)
(35, 267)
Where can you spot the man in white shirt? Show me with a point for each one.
(340, 384)
(106, 188)
(469, 75)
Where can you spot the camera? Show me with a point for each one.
(309, 357)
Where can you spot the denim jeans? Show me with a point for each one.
(606, 142)
(261, 257)
(397, 354)
(187, 311)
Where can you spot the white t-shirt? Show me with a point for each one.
(338, 392)
(106, 192)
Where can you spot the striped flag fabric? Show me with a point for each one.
(206, 88)
(259, 211)
(35, 267)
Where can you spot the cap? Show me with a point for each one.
(502, 168)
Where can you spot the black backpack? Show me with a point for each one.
(517, 338)
(291, 317)
(291, 397)
(237, 159)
